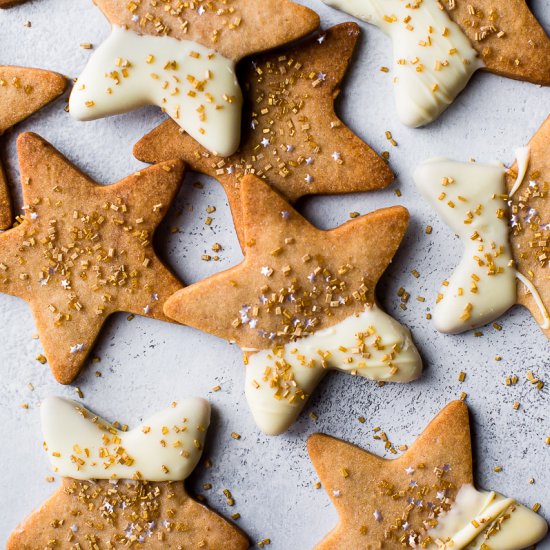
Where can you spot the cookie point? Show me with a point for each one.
(314, 440)
(171, 308)
(61, 81)
(455, 408)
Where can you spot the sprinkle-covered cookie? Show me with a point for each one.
(22, 92)
(123, 488)
(424, 499)
(503, 220)
(439, 44)
(291, 136)
(529, 188)
(181, 56)
(301, 303)
(83, 251)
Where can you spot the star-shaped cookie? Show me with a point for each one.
(110, 511)
(530, 237)
(302, 302)
(84, 251)
(181, 56)
(438, 46)
(22, 92)
(423, 499)
(291, 136)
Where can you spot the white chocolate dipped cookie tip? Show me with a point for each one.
(194, 85)
(389, 354)
(433, 58)
(470, 199)
(166, 447)
(483, 519)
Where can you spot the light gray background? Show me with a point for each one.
(147, 364)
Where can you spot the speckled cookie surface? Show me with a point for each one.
(285, 255)
(130, 513)
(530, 235)
(234, 28)
(84, 251)
(507, 37)
(292, 137)
(22, 92)
(371, 494)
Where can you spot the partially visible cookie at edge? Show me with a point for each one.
(530, 215)
(425, 498)
(439, 45)
(124, 487)
(23, 91)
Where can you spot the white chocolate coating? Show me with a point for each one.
(166, 447)
(481, 517)
(523, 156)
(194, 85)
(545, 315)
(470, 199)
(433, 58)
(277, 386)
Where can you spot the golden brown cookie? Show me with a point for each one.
(291, 136)
(302, 302)
(124, 488)
(91, 512)
(402, 503)
(278, 238)
(22, 92)
(507, 37)
(84, 251)
(234, 28)
(530, 236)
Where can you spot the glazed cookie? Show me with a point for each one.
(124, 488)
(439, 44)
(22, 92)
(301, 303)
(181, 56)
(424, 499)
(503, 219)
(291, 136)
(83, 251)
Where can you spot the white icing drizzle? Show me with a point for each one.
(166, 447)
(481, 517)
(545, 323)
(433, 58)
(193, 84)
(522, 156)
(278, 385)
(470, 198)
